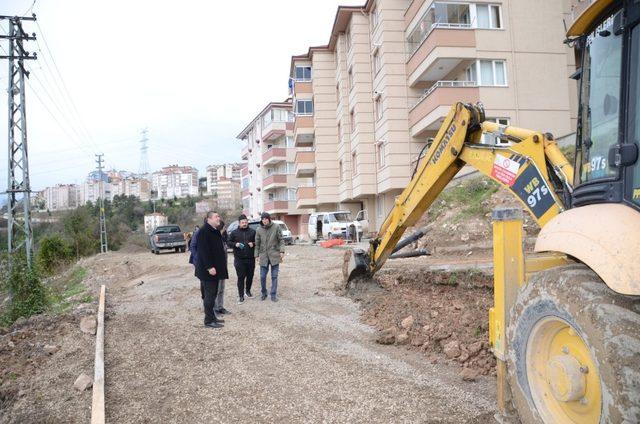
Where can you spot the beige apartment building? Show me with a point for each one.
(367, 102)
(175, 181)
(269, 181)
(214, 173)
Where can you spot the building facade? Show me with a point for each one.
(367, 102)
(231, 171)
(268, 177)
(63, 197)
(228, 194)
(175, 181)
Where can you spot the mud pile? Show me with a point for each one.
(444, 315)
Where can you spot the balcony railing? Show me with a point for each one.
(274, 154)
(415, 45)
(277, 205)
(274, 180)
(431, 89)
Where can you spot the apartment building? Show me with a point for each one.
(228, 194)
(94, 189)
(214, 173)
(130, 186)
(368, 101)
(268, 177)
(63, 197)
(175, 181)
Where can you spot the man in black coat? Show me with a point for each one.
(243, 240)
(211, 265)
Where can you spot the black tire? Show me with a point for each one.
(607, 322)
(177, 250)
(183, 249)
(157, 252)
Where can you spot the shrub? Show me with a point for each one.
(28, 294)
(53, 252)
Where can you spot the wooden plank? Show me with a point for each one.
(97, 405)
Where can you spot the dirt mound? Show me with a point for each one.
(461, 216)
(445, 315)
(40, 358)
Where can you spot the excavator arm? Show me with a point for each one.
(530, 165)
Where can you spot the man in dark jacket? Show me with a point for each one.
(270, 252)
(243, 240)
(211, 265)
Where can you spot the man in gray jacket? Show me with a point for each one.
(270, 251)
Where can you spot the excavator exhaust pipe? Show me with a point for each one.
(355, 265)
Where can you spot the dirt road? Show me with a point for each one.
(307, 358)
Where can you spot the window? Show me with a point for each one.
(303, 73)
(291, 168)
(304, 107)
(381, 154)
(380, 205)
(378, 107)
(488, 16)
(354, 163)
(487, 72)
(341, 170)
(291, 194)
(350, 79)
(245, 183)
(377, 62)
(375, 17)
(447, 15)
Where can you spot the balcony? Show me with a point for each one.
(302, 86)
(436, 102)
(305, 164)
(274, 155)
(441, 51)
(245, 170)
(278, 206)
(306, 197)
(273, 130)
(274, 181)
(244, 154)
(245, 193)
(303, 131)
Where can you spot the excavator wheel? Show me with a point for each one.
(574, 350)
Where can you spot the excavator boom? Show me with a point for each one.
(529, 164)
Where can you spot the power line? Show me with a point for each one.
(64, 85)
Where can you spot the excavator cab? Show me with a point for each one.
(607, 42)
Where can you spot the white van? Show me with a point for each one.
(338, 224)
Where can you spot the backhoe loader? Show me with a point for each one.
(565, 325)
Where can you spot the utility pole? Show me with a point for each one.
(144, 158)
(103, 220)
(20, 234)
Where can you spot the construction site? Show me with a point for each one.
(453, 261)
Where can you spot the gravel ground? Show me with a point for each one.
(307, 358)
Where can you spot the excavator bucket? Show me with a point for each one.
(356, 264)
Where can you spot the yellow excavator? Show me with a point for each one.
(565, 325)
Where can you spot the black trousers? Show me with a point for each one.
(209, 291)
(244, 269)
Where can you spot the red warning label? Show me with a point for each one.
(505, 170)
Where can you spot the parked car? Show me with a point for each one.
(339, 224)
(167, 237)
(286, 233)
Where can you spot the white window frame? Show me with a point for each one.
(375, 17)
(378, 108)
(305, 101)
(381, 151)
(377, 62)
(478, 68)
(474, 15)
(303, 79)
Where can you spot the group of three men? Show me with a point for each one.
(209, 255)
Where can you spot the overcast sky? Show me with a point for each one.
(194, 72)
